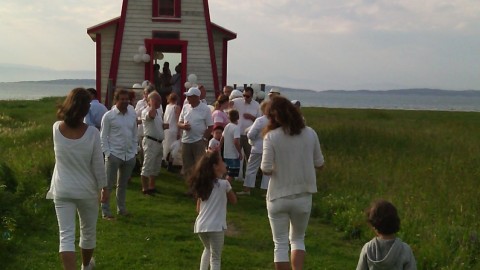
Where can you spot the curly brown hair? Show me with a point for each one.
(202, 177)
(382, 215)
(75, 107)
(282, 113)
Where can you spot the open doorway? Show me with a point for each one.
(168, 59)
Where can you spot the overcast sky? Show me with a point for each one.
(310, 44)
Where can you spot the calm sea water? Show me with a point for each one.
(353, 99)
(329, 99)
(38, 90)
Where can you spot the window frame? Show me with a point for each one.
(174, 17)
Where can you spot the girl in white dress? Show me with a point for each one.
(172, 112)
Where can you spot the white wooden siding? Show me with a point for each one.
(192, 28)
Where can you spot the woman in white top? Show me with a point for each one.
(172, 112)
(77, 179)
(291, 152)
(212, 194)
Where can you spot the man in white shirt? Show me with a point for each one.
(249, 110)
(197, 124)
(96, 111)
(153, 126)
(119, 144)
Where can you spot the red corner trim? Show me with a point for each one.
(117, 47)
(98, 63)
(229, 34)
(212, 47)
(224, 61)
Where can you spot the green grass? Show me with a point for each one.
(425, 162)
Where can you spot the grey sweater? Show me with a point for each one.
(393, 254)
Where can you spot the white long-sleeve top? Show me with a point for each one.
(255, 134)
(79, 171)
(119, 134)
(291, 160)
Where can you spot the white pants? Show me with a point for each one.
(212, 253)
(288, 220)
(88, 214)
(251, 173)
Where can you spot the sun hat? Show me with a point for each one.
(235, 94)
(274, 90)
(296, 103)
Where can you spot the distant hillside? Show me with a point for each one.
(416, 91)
(413, 91)
(64, 81)
(20, 72)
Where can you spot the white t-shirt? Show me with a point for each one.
(79, 171)
(231, 132)
(242, 107)
(153, 127)
(214, 144)
(199, 118)
(213, 212)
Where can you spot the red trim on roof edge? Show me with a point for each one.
(230, 35)
(212, 47)
(98, 63)
(117, 47)
(100, 26)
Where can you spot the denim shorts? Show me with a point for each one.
(233, 166)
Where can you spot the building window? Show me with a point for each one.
(166, 8)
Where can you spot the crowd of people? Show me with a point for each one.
(97, 149)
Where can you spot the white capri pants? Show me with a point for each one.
(87, 210)
(288, 220)
(253, 165)
(212, 253)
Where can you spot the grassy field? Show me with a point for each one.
(427, 163)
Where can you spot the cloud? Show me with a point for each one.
(52, 32)
(320, 44)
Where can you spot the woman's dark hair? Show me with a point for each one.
(221, 99)
(382, 215)
(202, 177)
(282, 113)
(75, 107)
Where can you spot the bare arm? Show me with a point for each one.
(236, 142)
(198, 205)
(207, 132)
(231, 197)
